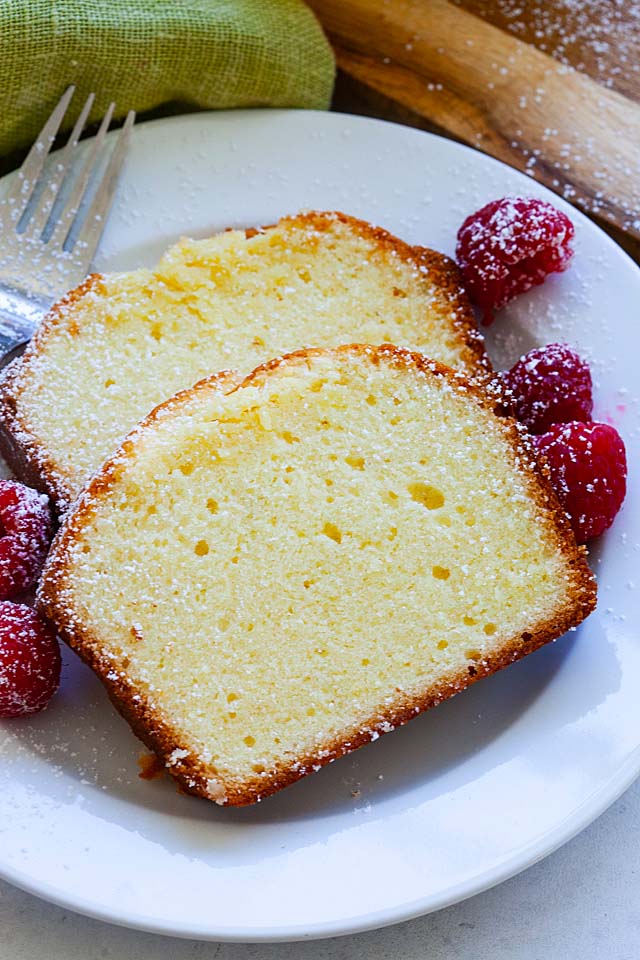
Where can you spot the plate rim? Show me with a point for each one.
(592, 807)
(532, 853)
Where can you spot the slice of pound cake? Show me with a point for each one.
(119, 345)
(266, 579)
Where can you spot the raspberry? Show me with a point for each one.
(29, 661)
(26, 525)
(509, 246)
(588, 467)
(550, 385)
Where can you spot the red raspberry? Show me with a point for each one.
(25, 521)
(550, 385)
(509, 246)
(588, 467)
(29, 661)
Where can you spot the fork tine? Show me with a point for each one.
(72, 206)
(35, 160)
(38, 220)
(95, 221)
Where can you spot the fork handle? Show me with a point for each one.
(20, 316)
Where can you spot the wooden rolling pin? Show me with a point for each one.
(437, 65)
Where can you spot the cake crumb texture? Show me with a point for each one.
(119, 345)
(269, 575)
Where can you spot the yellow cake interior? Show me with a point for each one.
(277, 568)
(228, 302)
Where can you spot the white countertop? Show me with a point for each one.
(581, 903)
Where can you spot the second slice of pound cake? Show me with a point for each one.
(268, 576)
(119, 345)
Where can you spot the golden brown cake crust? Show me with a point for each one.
(22, 451)
(192, 776)
(442, 271)
(29, 458)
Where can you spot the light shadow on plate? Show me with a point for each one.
(84, 738)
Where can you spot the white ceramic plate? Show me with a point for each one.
(465, 795)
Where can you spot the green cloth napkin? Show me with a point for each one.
(147, 53)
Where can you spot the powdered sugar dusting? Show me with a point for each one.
(510, 246)
(597, 37)
(551, 384)
(585, 38)
(29, 661)
(588, 468)
(25, 533)
(125, 343)
(301, 449)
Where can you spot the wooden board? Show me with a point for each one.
(549, 87)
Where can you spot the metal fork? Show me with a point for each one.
(48, 237)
